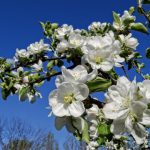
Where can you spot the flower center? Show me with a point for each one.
(76, 75)
(98, 59)
(126, 103)
(133, 116)
(68, 99)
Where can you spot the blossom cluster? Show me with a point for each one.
(32, 50)
(101, 51)
(127, 104)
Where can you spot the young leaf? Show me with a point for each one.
(98, 84)
(5, 93)
(104, 129)
(116, 17)
(23, 93)
(139, 27)
(85, 134)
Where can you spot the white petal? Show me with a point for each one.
(53, 98)
(92, 75)
(115, 94)
(114, 111)
(146, 118)
(138, 108)
(67, 74)
(139, 133)
(118, 126)
(76, 109)
(128, 124)
(59, 80)
(106, 66)
(60, 110)
(83, 92)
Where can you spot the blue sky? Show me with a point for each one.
(19, 26)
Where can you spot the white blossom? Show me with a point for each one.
(97, 25)
(77, 75)
(102, 52)
(62, 46)
(127, 109)
(144, 90)
(75, 40)
(21, 54)
(38, 66)
(64, 30)
(67, 99)
(120, 25)
(129, 41)
(38, 47)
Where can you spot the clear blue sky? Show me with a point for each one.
(19, 26)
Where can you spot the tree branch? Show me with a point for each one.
(33, 62)
(89, 101)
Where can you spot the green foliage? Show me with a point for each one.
(104, 129)
(85, 134)
(50, 65)
(49, 28)
(104, 133)
(23, 93)
(99, 84)
(139, 27)
(116, 17)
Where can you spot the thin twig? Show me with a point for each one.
(49, 76)
(125, 72)
(138, 70)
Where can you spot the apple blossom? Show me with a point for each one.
(144, 90)
(119, 25)
(38, 47)
(123, 107)
(67, 99)
(38, 67)
(77, 75)
(96, 26)
(129, 41)
(102, 52)
(76, 40)
(62, 46)
(62, 31)
(22, 54)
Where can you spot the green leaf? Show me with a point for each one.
(116, 17)
(128, 21)
(34, 77)
(23, 93)
(146, 1)
(104, 129)
(148, 53)
(42, 25)
(5, 93)
(50, 65)
(99, 84)
(101, 140)
(54, 26)
(139, 27)
(131, 10)
(85, 134)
